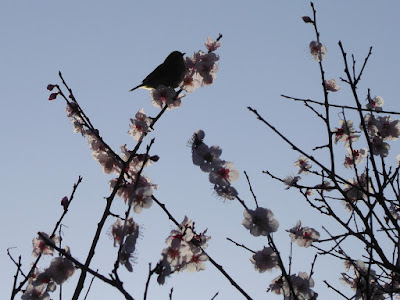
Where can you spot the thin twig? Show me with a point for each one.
(251, 189)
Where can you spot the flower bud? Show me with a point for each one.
(53, 96)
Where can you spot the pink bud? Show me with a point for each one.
(64, 202)
(53, 96)
(155, 158)
(307, 19)
(50, 87)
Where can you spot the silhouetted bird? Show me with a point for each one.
(170, 73)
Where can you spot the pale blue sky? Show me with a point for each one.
(103, 49)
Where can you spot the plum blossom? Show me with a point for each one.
(309, 192)
(221, 173)
(375, 104)
(120, 229)
(331, 85)
(94, 141)
(318, 51)
(38, 287)
(260, 221)
(265, 260)
(136, 163)
(208, 158)
(128, 248)
(365, 282)
(371, 125)
(163, 269)
(163, 95)
(356, 190)
(379, 147)
(325, 186)
(183, 251)
(304, 236)
(40, 246)
(60, 269)
(181, 235)
(142, 198)
(388, 129)
(345, 133)
(139, 125)
(202, 68)
(73, 113)
(191, 82)
(382, 127)
(355, 157)
(279, 286)
(303, 164)
(212, 45)
(224, 174)
(108, 161)
(140, 194)
(226, 192)
(197, 261)
(301, 284)
(291, 181)
(39, 292)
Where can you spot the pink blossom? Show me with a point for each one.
(260, 221)
(375, 104)
(224, 175)
(331, 85)
(163, 95)
(139, 125)
(303, 164)
(212, 45)
(318, 51)
(304, 236)
(291, 181)
(265, 260)
(40, 246)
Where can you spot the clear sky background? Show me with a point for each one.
(103, 49)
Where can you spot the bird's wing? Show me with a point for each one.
(154, 76)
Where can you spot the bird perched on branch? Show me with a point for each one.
(170, 73)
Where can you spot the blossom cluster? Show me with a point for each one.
(302, 286)
(139, 125)
(201, 67)
(136, 194)
(221, 172)
(40, 246)
(41, 283)
(126, 232)
(366, 283)
(165, 95)
(380, 130)
(184, 251)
